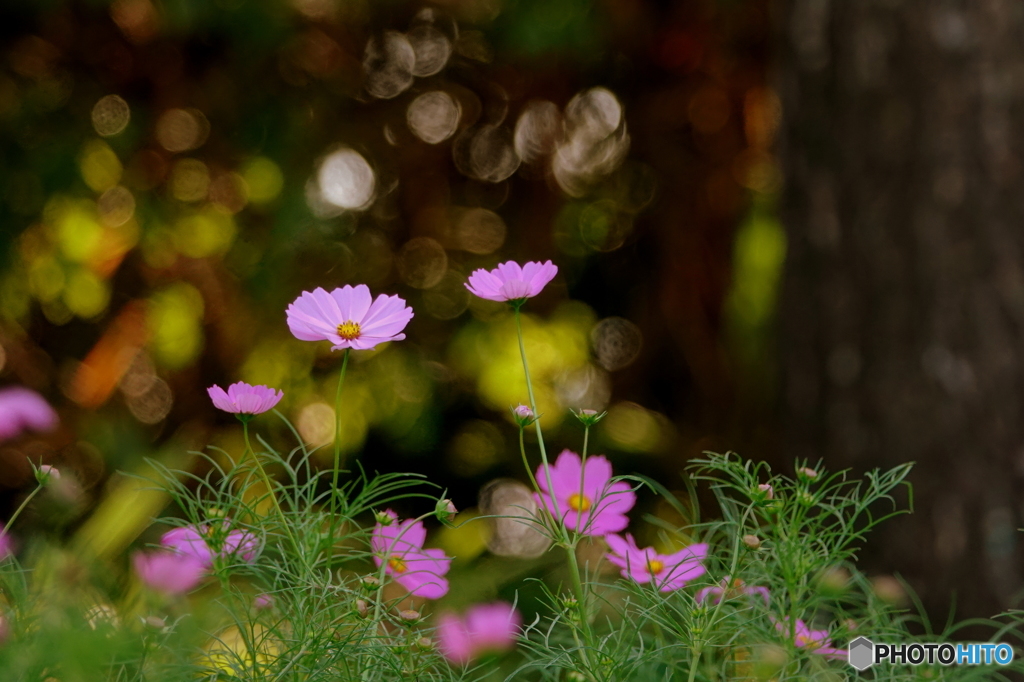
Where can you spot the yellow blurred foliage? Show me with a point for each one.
(174, 316)
(99, 165)
(263, 179)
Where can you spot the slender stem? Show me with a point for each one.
(694, 662)
(536, 421)
(21, 507)
(567, 541)
(337, 459)
(270, 487)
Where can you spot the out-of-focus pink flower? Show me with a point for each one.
(421, 571)
(588, 501)
(21, 410)
(485, 628)
(731, 588)
(241, 398)
(205, 543)
(6, 544)
(667, 571)
(510, 282)
(262, 602)
(348, 317)
(168, 572)
(815, 641)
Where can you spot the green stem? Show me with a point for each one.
(536, 423)
(337, 459)
(270, 487)
(567, 542)
(21, 507)
(694, 662)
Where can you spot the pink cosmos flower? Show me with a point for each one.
(205, 543)
(667, 571)
(814, 641)
(588, 501)
(262, 602)
(168, 572)
(486, 628)
(241, 398)
(510, 282)
(348, 317)
(22, 409)
(730, 588)
(416, 569)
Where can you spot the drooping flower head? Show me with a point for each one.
(168, 572)
(348, 317)
(208, 542)
(585, 496)
(815, 641)
(730, 588)
(510, 282)
(21, 410)
(667, 571)
(486, 628)
(421, 571)
(241, 398)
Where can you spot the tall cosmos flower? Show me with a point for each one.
(22, 409)
(510, 281)
(667, 571)
(421, 571)
(206, 543)
(486, 628)
(348, 317)
(585, 496)
(815, 641)
(242, 398)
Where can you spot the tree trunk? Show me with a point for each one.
(903, 310)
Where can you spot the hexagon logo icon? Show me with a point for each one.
(862, 653)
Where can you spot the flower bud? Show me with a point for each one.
(362, 608)
(752, 541)
(370, 582)
(807, 473)
(766, 491)
(424, 644)
(589, 417)
(409, 616)
(805, 498)
(384, 518)
(445, 512)
(523, 415)
(263, 602)
(46, 473)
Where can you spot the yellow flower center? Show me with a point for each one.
(655, 566)
(348, 330)
(397, 565)
(580, 503)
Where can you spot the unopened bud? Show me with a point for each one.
(409, 616)
(807, 473)
(424, 644)
(263, 602)
(752, 541)
(805, 498)
(46, 473)
(523, 415)
(371, 582)
(384, 518)
(362, 608)
(445, 512)
(764, 492)
(589, 417)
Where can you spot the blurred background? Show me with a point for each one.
(175, 172)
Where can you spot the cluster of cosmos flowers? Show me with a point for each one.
(581, 493)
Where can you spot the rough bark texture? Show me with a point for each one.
(903, 316)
